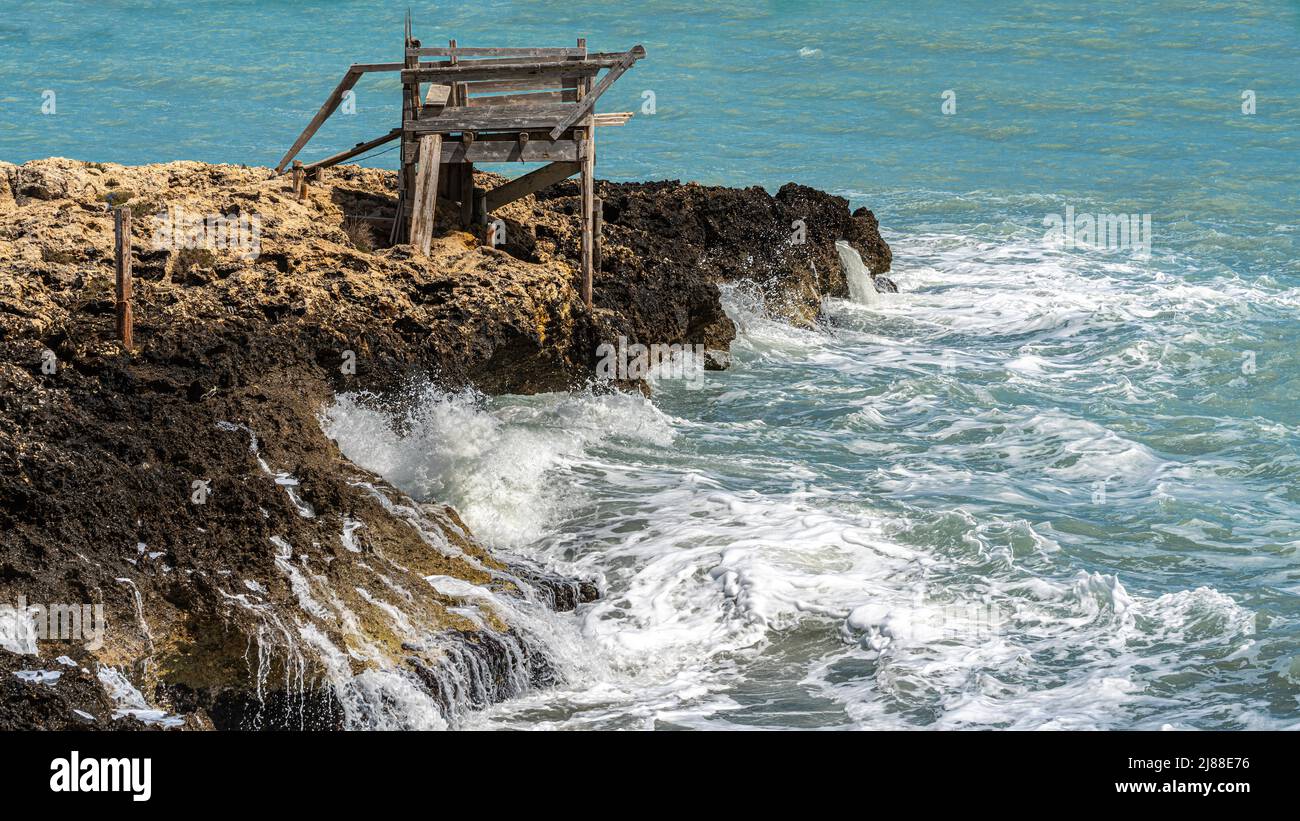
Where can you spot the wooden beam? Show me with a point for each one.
(437, 97)
(567, 96)
(540, 84)
(494, 151)
(529, 183)
(425, 201)
(359, 148)
(367, 68)
(464, 72)
(589, 99)
(494, 118)
(611, 118)
(464, 51)
(122, 264)
(588, 209)
(331, 103)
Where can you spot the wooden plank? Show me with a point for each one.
(611, 118)
(122, 264)
(540, 84)
(367, 68)
(359, 148)
(465, 51)
(589, 99)
(568, 96)
(491, 151)
(437, 97)
(425, 201)
(488, 118)
(530, 183)
(511, 61)
(465, 72)
(533, 134)
(607, 57)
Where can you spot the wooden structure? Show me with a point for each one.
(122, 267)
(486, 105)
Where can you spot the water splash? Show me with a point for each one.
(862, 288)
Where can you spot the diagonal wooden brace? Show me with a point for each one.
(588, 100)
(531, 182)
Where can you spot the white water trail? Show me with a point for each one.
(862, 288)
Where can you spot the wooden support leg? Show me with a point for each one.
(425, 201)
(588, 207)
(598, 225)
(122, 262)
(531, 183)
(480, 207)
(403, 195)
(447, 181)
(300, 178)
(467, 195)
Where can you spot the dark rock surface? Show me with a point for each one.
(211, 605)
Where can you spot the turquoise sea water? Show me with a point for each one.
(1041, 486)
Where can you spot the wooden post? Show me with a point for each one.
(457, 89)
(588, 160)
(598, 225)
(467, 190)
(299, 180)
(449, 175)
(409, 147)
(425, 201)
(122, 260)
(480, 207)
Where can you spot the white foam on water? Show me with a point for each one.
(129, 701)
(858, 515)
(494, 468)
(375, 698)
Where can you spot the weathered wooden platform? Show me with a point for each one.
(487, 105)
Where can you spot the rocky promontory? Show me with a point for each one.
(249, 575)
